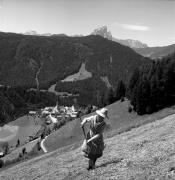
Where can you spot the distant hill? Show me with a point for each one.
(156, 52)
(131, 43)
(103, 31)
(40, 61)
(44, 34)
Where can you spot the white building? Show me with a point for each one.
(51, 119)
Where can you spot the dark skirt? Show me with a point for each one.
(94, 149)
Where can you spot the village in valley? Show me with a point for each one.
(54, 114)
(52, 118)
(49, 119)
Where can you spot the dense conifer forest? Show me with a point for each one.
(152, 86)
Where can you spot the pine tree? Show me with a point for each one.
(109, 96)
(120, 90)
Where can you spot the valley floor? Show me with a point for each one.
(147, 152)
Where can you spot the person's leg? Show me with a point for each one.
(90, 165)
(94, 161)
(95, 157)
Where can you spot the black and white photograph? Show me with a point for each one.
(87, 89)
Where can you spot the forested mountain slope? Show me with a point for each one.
(29, 61)
(54, 58)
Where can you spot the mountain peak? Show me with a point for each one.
(103, 31)
(131, 43)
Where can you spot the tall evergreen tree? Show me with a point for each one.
(109, 96)
(120, 90)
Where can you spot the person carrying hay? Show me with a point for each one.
(93, 144)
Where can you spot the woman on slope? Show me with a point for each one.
(94, 144)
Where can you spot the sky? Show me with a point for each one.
(149, 21)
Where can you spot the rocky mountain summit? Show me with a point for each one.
(131, 43)
(103, 31)
(139, 47)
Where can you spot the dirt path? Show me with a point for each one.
(147, 152)
(43, 145)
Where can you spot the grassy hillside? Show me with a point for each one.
(143, 153)
(121, 120)
(15, 154)
(26, 126)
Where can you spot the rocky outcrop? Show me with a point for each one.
(103, 31)
(131, 43)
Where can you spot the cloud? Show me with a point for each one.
(133, 27)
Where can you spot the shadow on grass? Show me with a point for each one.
(114, 161)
